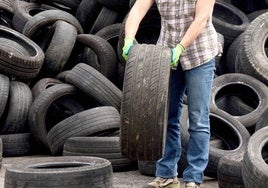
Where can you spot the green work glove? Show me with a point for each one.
(128, 43)
(176, 53)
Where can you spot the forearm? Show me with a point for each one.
(203, 12)
(192, 32)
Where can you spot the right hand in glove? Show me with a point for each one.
(128, 43)
(176, 53)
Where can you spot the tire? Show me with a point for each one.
(1, 153)
(229, 21)
(251, 16)
(4, 93)
(44, 106)
(254, 166)
(262, 121)
(72, 4)
(6, 15)
(231, 61)
(47, 17)
(253, 56)
(74, 172)
(111, 35)
(146, 83)
(229, 171)
(20, 57)
(147, 168)
(106, 60)
(104, 147)
(24, 11)
(117, 5)
(43, 84)
(94, 121)
(58, 49)
(20, 100)
(87, 12)
(7, 5)
(106, 17)
(250, 90)
(234, 105)
(95, 84)
(21, 144)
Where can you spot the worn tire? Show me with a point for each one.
(105, 59)
(47, 17)
(4, 93)
(104, 147)
(74, 172)
(42, 84)
(38, 113)
(58, 49)
(250, 90)
(262, 121)
(20, 101)
(146, 84)
(24, 11)
(229, 20)
(95, 84)
(253, 55)
(229, 171)
(20, 57)
(94, 121)
(254, 166)
(21, 144)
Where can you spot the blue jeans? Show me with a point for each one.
(198, 82)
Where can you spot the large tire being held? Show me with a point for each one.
(251, 91)
(254, 165)
(60, 172)
(145, 100)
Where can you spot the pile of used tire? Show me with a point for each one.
(66, 91)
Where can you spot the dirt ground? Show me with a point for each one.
(129, 179)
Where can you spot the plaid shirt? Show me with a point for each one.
(176, 17)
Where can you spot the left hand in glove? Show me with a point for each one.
(176, 53)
